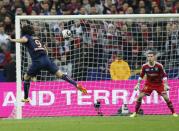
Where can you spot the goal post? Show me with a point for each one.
(18, 72)
(86, 57)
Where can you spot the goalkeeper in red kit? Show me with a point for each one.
(156, 79)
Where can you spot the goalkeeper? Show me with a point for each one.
(156, 79)
(40, 60)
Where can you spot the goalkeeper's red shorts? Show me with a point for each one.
(148, 88)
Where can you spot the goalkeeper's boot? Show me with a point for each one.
(175, 114)
(133, 114)
(81, 88)
(25, 100)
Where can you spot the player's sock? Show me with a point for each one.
(138, 106)
(26, 88)
(68, 79)
(170, 106)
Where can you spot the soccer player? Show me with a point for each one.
(156, 79)
(40, 60)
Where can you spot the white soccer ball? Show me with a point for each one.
(66, 34)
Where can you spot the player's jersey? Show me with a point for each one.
(35, 47)
(154, 73)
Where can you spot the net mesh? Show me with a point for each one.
(87, 56)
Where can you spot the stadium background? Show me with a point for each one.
(10, 8)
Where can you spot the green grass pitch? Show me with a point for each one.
(116, 123)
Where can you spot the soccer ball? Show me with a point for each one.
(66, 34)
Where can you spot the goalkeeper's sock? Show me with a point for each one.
(170, 106)
(26, 88)
(68, 79)
(138, 106)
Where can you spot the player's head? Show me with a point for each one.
(151, 56)
(27, 30)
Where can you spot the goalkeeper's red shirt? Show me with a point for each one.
(154, 74)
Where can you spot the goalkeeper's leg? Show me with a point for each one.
(138, 104)
(70, 80)
(169, 104)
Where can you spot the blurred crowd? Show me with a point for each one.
(101, 39)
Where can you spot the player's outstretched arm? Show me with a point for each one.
(21, 40)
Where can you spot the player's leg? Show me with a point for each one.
(26, 87)
(65, 77)
(138, 103)
(169, 104)
(52, 68)
(147, 90)
(30, 75)
(161, 91)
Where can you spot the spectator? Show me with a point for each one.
(87, 6)
(35, 5)
(129, 10)
(46, 9)
(141, 5)
(93, 11)
(5, 56)
(142, 11)
(172, 42)
(176, 7)
(154, 4)
(125, 7)
(19, 11)
(10, 71)
(119, 69)
(121, 12)
(33, 12)
(156, 10)
(53, 11)
(82, 11)
(74, 7)
(113, 9)
(9, 25)
(3, 37)
(27, 7)
(3, 12)
(168, 6)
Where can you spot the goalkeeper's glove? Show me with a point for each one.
(137, 87)
(166, 87)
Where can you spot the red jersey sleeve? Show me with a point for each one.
(162, 72)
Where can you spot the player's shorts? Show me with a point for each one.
(42, 63)
(149, 88)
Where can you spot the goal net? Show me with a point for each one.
(97, 40)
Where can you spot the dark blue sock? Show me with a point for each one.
(68, 79)
(26, 88)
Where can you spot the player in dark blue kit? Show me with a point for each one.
(40, 60)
